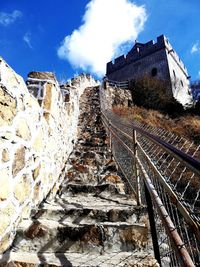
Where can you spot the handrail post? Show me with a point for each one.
(152, 225)
(110, 140)
(136, 171)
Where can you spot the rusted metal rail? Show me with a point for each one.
(181, 228)
(176, 240)
(174, 198)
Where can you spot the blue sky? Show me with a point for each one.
(66, 37)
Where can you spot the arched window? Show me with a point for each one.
(181, 83)
(154, 72)
(174, 74)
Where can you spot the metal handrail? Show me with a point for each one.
(195, 226)
(177, 242)
(125, 82)
(122, 84)
(192, 163)
(179, 245)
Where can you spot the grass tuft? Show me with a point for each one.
(187, 126)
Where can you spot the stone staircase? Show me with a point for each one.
(91, 221)
(87, 225)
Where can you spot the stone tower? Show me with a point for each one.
(157, 60)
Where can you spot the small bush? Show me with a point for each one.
(151, 93)
(186, 126)
(196, 109)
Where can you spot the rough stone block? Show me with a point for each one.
(47, 116)
(38, 142)
(22, 189)
(37, 192)
(31, 102)
(26, 212)
(36, 172)
(7, 135)
(5, 155)
(42, 75)
(8, 107)
(6, 215)
(19, 160)
(4, 244)
(4, 184)
(48, 96)
(22, 129)
(36, 230)
(138, 236)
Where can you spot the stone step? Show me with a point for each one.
(121, 259)
(120, 213)
(91, 201)
(51, 236)
(74, 188)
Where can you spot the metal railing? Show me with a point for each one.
(121, 85)
(166, 172)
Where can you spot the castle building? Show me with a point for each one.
(157, 60)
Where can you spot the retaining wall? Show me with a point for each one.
(36, 138)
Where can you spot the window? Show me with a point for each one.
(174, 74)
(181, 83)
(154, 72)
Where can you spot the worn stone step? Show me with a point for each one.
(51, 236)
(87, 215)
(91, 201)
(74, 188)
(121, 259)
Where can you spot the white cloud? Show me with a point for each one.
(195, 48)
(107, 25)
(8, 18)
(27, 39)
(199, 73)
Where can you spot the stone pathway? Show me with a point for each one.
(91, 221)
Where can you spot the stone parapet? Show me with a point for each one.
(139, 51)
(36, 137)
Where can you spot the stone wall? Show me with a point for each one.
(36, 138)
(112, 96)
(140, 61)
(179, 77)
(143, 67)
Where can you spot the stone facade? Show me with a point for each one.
(36, 137)
(157, 60)
(113, 96)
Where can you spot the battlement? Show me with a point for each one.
(141, 50)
